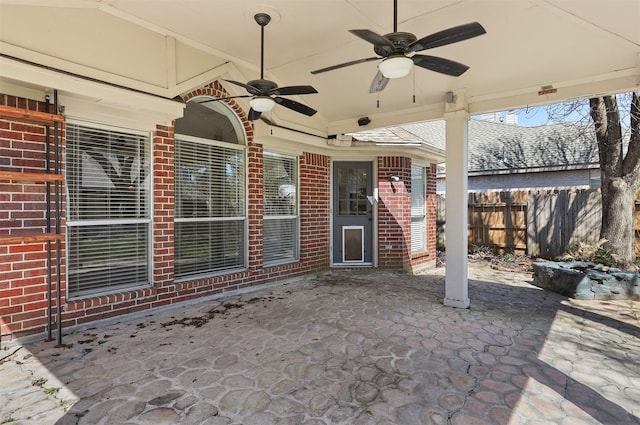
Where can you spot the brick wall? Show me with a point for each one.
(23, 211)
(394, 213)
(394, 216)
(23, 289)
(315, 210)
(23, 300)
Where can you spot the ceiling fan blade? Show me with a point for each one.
(225, 98)
(373, 38)
(345, 64)
(254, 115)
(295, 106)
(379, 83)
(290, 90)
(441, 65)
(247, 87)
(448, 36)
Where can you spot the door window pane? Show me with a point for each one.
(352, 191)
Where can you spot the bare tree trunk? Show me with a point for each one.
(620, 174)
(618, 205)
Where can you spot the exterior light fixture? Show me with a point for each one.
(363, 121)
(262, 103)
(396, 66)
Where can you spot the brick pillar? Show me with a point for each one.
(394, 213)
(163, 206)
(255, 198)
(315, 201)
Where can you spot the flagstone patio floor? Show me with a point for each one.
(344, 348)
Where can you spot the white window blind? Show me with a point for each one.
(210, 206)
(280, 208)
(108, 214)
(418, 210)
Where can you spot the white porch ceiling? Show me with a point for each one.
(167, 47)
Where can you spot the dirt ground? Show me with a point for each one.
(504, 262)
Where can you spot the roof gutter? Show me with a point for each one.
(504, 171)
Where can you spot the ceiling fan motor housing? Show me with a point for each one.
(263, 86)
(400, 40)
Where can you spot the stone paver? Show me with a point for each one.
(348, 348)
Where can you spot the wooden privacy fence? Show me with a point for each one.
(537, 223)
(555, 220)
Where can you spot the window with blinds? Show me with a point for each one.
(108, 214)
(280, 208)
(418, 209)
(210, 214)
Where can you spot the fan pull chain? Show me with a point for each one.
(414, 83)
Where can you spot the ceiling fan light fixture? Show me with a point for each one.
(262, 103)
(396, 66)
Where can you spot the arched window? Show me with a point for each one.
(210, 190)
(207, 119)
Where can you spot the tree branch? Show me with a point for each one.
(632, 159)
(604, 111)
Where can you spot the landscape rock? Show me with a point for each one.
(586, 281)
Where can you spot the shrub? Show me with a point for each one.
(599, 253)
(482, 251)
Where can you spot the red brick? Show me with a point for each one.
(29, 301)
(38, 322)
(16, 283)
(11, 293)
(26, 248)
(34, 264)
(6, 311)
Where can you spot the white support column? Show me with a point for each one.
(456, 283)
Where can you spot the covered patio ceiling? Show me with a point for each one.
(534, 52)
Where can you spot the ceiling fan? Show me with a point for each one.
(265, 93)
(397, 51)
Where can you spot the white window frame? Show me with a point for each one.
(296, 216)
(148, 221)
(244, 218)
(419, 216)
